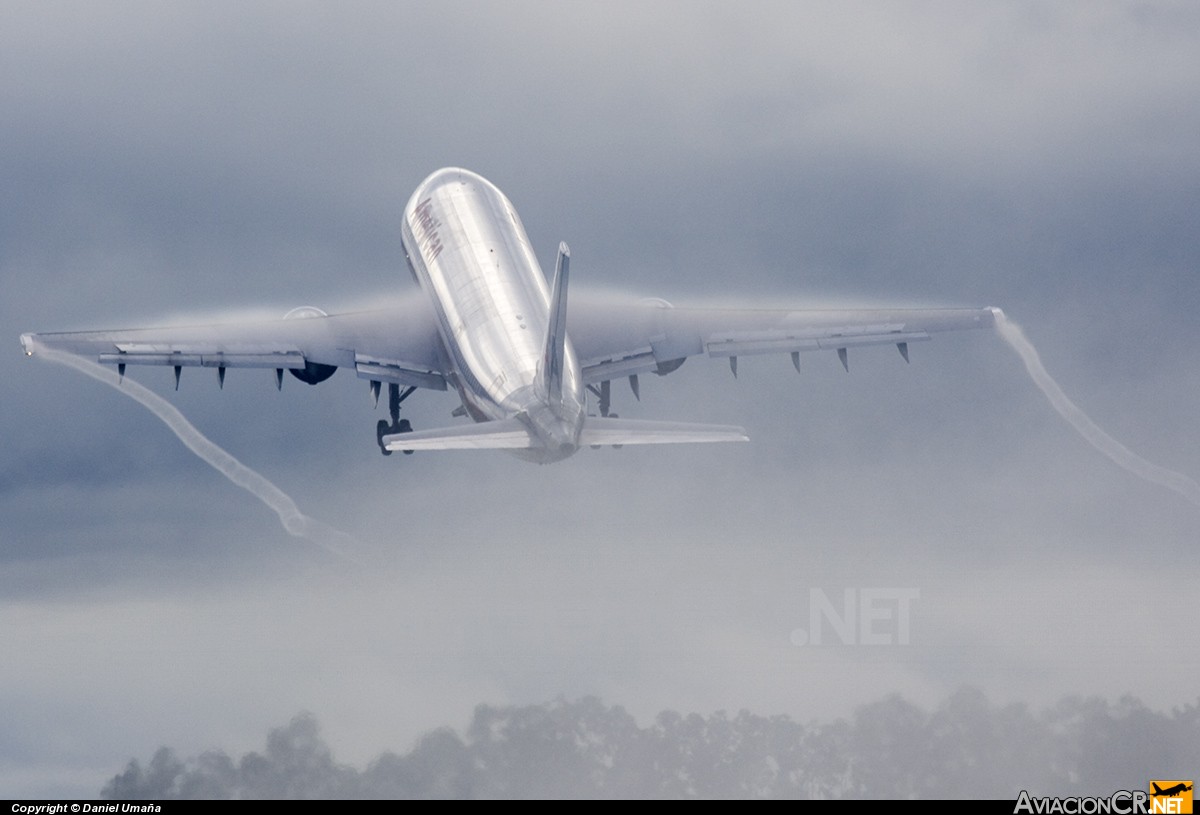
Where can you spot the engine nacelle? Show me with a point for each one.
(312, 372)
(667, 366)
(304, 313)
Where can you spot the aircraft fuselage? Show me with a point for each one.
(468, 250)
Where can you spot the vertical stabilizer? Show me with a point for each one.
(554, 354)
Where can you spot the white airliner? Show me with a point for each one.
(490, 327)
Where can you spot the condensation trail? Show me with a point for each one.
(1106, 444)
(294, 521)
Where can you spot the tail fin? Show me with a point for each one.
(554, 354)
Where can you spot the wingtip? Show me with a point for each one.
(27, 344)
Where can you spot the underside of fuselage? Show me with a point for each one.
(508, 355)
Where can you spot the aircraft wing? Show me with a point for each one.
(614, 339)
(397, 344)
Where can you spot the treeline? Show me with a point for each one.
(966, 748)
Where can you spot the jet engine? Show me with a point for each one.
(312, 372)
(667, 366)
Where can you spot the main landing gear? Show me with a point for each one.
(604, 395)
(398, 425)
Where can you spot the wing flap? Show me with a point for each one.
(207, 356)
(774, 343)
(640, 363)
(398, 371)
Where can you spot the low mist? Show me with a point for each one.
(965, 748)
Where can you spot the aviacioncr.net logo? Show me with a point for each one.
(1163, 798)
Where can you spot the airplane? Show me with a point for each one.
(490, 327)
(1170, 792)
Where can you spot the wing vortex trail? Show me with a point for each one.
(294, 521)
(1091, 432)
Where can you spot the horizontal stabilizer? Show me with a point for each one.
(506, 434)
(604, 431)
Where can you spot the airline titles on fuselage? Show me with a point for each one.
(425, 226)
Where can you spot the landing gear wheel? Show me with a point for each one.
(615, 416)
(405, 426)
(381, 430)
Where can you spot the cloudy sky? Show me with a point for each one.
(162, 161)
